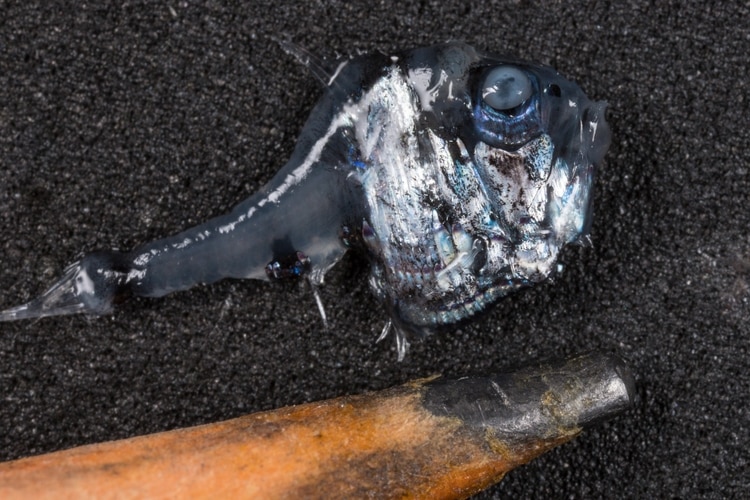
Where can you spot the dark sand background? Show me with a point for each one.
(124, 123)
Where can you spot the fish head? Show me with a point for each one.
(539, 138)
(476, 170)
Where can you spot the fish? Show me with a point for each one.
(461, 175)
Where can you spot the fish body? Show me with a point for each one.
(460, 174)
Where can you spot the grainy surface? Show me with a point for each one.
(124, 123)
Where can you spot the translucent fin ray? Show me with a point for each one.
(317, 66)
(61, 298)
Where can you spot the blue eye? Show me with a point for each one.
(506, 88)
(506, 108)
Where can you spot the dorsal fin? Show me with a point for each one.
(320, 68)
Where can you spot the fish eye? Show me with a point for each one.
(506, 88)
(506, 106)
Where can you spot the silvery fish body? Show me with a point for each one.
(463, 202)
(460, 174)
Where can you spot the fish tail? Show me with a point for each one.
(287, 230)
